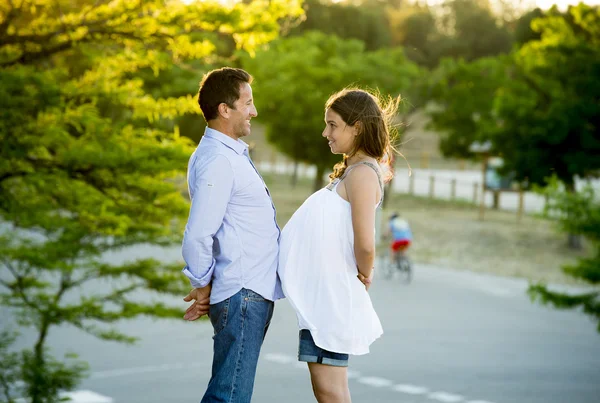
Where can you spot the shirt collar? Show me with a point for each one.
(236, 145)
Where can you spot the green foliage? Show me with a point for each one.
(296, 75)
(461, 29)
(9, 367)
(367, 23)
(576, 213)
(90, 156)
(463, 94)
(523, 31)
(474, 29)
(538, 106)
(549, 109)
(28, 373)
(46, 377)
(416, 29)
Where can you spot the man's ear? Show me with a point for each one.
(223, 110)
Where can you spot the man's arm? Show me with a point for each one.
(212, 190)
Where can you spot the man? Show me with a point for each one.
(230, 244)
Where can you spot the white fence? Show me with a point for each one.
(437, 183)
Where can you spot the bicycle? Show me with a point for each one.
(400, 264)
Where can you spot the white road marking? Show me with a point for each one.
(410, 389)
(353, 374)
(375, 381)
(301, 365)
(445, 397)
(80, 396)
(87, 396)
(140, 370)
(279, 358)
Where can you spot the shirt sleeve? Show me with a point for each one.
(212, 191)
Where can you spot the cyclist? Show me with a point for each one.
(401, 236)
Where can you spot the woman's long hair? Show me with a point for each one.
(376, 131)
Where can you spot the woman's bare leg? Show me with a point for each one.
(330, 384)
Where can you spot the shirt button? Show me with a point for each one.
(246, 299)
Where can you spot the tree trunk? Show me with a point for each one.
(38, 384)
(295, 174)
(318, 183)
(496, 200)
(573, 240)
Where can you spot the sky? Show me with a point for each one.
(543, 4)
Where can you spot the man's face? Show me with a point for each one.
(243, 112)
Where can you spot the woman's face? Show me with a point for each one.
(340, 135)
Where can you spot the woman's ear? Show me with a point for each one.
(358, 126)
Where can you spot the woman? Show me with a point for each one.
(327, 248)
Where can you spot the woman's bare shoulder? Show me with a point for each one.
(364, 172)
(362, 181)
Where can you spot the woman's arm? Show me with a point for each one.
(362, 188)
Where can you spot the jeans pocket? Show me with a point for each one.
(218, 315)
(254, 296)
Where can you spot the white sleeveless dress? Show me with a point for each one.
(318, 273)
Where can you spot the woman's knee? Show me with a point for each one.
(331, 393)
(330, 384)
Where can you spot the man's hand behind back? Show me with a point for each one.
(199, 308)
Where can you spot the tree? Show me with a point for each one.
(463, 95)
(296, 75)
(461, 29)
(576, 213)
(550, 108)
(539, 106)
(86, 166)
(476, 31)
(367, 23)
(523, 31)
(415, 28)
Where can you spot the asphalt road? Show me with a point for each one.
(448, 337)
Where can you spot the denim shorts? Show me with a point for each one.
(309, 352)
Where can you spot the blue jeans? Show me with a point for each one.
(240, 323)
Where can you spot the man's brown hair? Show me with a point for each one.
(220, 86)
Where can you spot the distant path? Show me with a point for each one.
(465, 180)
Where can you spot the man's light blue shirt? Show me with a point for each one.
(231, 237)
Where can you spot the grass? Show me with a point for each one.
(449, 234)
